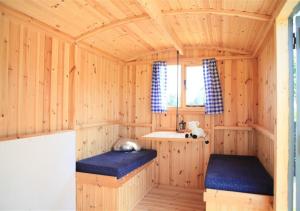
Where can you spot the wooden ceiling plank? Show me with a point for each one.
(138, 38)
(155, 13)
(100, 9)
(261, 37)
(234, 13)
(111, 26)
(222, 12)
(27, 20)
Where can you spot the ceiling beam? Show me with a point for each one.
(222, 12)
(111, 25)
(218, 48)
(262, 36)
(196, 47)
(156, 15)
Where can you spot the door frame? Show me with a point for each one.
(284, 145)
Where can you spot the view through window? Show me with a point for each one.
(195, 92)
(172, 85)
(191, 92)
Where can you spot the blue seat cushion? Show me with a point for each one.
(238, 173)
(116, 164)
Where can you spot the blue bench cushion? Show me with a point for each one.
(116, 164)
(238, 173)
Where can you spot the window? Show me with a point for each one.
(172, 85)
(195, 92)
(191, 92)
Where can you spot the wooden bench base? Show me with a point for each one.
(218, 200)
(98, 192)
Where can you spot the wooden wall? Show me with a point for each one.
(34, 78)
(184, 164)
(96, 101)
(48, 84)
(125, 197)
(266, 101)
(237, 86)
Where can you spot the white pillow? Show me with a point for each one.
(126, 144)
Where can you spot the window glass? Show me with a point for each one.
(172, 85)
(195, 92)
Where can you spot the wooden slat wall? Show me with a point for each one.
(96, 197)
(181, 164)
(266, 101)
(237, 84)
(48, 83)
(96, 102)
(34, 80)
(174, 158)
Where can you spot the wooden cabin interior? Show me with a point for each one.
(77, 76)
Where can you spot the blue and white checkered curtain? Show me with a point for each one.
(159, 87)
(213, 90)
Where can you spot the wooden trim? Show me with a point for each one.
(197, 60)
(179, 140)
(98, 124)
(171, 138)
(155, 13)
(220, 127)
(149, 125)
(264, 131)
(111, 25)
(97, 51)
(21, 136)
(282, 126)
(222, 12)
(199, 109)
(238, 198)
(108, 181)
(201, 47)
(262, 36)
(218, 48)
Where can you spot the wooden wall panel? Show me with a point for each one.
(266, 101)
(266, 84)
(237, 80)
(49, 84)
(180, 164)
(34, 84)
(96, 197)
(184, 164)
(96, 102)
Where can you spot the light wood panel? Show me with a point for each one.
(133, 27)
(265, 103)
(184, 164)
(48, 84)
(35, 67)
(165, 198)
(218, 200)
(266, 84)
(125, 197)
(180, 164)
(237, 85)
(96, 100)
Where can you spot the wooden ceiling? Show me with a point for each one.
(127, 29)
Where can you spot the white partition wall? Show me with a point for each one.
(38, 173)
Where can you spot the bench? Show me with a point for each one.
(114, 180)
(237, 183)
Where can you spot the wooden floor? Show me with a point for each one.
(165, 198)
